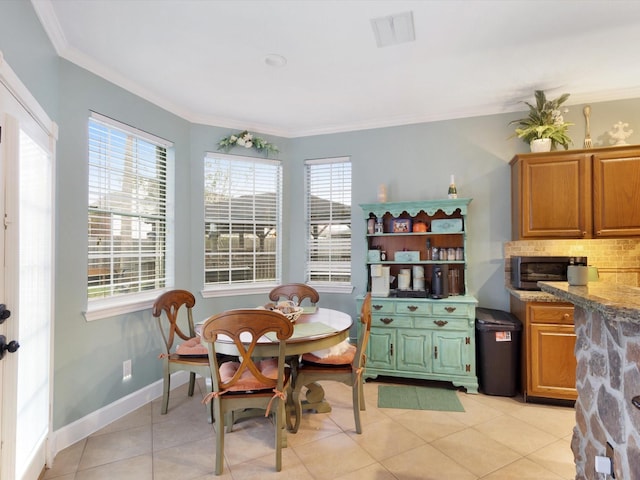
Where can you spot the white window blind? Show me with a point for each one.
(128, 214)
(328, 209)
(243, 210)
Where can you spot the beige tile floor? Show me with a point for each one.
(495, 438)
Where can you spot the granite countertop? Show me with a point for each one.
(613, 301)
(532, 295)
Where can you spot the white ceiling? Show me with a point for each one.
(204, 59)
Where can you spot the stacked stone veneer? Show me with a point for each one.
(607, 377)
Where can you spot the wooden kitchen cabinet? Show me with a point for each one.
(548, 353)
(576, 194)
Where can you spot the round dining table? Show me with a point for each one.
(317, 328)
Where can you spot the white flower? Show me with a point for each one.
(240, 141)
(248, 137)
(248, 144)
(233, 139)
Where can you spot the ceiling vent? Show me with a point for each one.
(393, 29)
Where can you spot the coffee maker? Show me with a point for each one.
(380, 277)
(440, 281)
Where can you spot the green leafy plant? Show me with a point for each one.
(247, 140)
(545, 120)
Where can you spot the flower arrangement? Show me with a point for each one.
(247, 140)
(545, 120)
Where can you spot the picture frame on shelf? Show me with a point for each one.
(401, 225)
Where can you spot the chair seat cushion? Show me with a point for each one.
(343, 358)
(268, 367)
(192, 347)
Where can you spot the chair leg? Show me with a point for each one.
(192, 383)
(279, 426)
(219, 420)
(166, 386)
(357, 406)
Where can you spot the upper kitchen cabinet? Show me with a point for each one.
(616, 193)
(576, 194)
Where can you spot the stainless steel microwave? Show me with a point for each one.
(526, 272)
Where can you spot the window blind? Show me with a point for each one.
(127, 210)
(243, 210)
(328, 214)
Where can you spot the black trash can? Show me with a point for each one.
(498, 338)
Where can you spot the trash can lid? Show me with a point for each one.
(489, 317)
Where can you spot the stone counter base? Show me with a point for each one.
(607, 377)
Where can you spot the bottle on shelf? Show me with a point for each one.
(453, 192)
(428, 249)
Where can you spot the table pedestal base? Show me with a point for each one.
(314, 399)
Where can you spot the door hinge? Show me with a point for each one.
(467, 367)
(467, 340)
(435, 352)
(391, 349)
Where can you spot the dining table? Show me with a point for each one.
(316, 329)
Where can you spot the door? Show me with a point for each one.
(616, 193)
(26, 206)
(555, 197)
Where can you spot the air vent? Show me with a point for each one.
(393, 29)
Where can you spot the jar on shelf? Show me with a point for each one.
(459, 253)
(435, 253)
(451, 254)
(371, 226)
(379, 226)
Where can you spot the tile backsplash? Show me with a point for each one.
(617, 260)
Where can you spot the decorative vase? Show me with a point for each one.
(541, 145)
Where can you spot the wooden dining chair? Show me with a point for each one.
(347, 368)
(296, 292)
(172, 303)
(253, 382)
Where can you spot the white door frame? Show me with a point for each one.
(9, 366)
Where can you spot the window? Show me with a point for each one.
(328, 207)
(128, 216)
(242, 219)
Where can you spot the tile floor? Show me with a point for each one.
(496, 438)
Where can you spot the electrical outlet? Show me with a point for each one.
(126, 370)
(603, 465)
(610, 455)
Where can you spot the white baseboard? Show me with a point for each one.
(82, 428)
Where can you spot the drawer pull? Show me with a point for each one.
(450, 309)
(386, 321)
(565, 316)
(412, 308)
(636, 401)
(377, 307)
(440, 323)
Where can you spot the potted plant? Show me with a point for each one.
(544, 121)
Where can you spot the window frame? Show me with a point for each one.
(327, 286)
(254, 287)
(97, 308)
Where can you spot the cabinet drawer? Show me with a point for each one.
(391, 321)
(382, 306)
(553, 313)
(450, 309)
(414, 308)
(449, 323)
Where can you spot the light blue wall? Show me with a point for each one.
(415, 162)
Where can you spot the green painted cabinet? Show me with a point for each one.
(413, 335)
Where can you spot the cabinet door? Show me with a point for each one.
(451, 353)
(552, 367)
(414, 350)
(380, 349)
(616, 193)
(552, 197)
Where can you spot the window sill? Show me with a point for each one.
(110, 307)
(332, 287)
(229, 291)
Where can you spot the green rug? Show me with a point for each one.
(418, 398)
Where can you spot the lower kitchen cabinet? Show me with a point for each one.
(549, 362)
(425, 339)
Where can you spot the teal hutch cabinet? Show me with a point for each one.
(412, 334)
